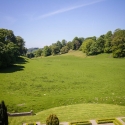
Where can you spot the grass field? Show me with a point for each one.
(42, 83)
(71, 113)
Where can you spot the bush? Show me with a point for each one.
(3, 114)
(81, 123)
(52, 120)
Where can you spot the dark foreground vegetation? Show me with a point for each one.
(3, 114)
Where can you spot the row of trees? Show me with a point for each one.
(60, 47)
(107, 43)
(11, 47)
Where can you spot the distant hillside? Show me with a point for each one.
(30, 50)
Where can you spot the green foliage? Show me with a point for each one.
(64, 42)
(46, 51)
(38, 52)
(64, 49)
(30, 55)
(3, 114)
(54, 50)
(69, 45)
(81, 123)
(21, 45)
(118, 44)
(10, 47)
(86, 46)
(104, 121)
(76, 43)
(31, 123)
(108, 39)
(52, 120)
(59, 44)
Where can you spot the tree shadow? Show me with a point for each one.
(12, 68)
(21, 60)
(15, 67)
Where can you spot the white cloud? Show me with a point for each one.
(66, 9)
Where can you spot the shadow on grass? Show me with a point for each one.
(12, 68)
(21, 60)
(15, 68)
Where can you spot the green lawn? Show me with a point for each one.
(73, 113)
(42, 83)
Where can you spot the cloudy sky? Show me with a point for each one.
(43, 22)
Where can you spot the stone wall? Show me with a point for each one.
(20, 114)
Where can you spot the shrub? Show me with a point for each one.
(81, 123)
(52, 120)
(3, 114)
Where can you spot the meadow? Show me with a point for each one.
(42, 83)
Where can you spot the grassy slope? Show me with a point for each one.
(44, 83)
(78, 112)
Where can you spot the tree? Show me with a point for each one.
(69, 45)
(38, 53)
(64, 49)
(59, 44)
(21, 44)
(46, 51)
(55, 50)
(64, 42)
(118, 43)
(108, 40)
(100, 42)
(76, 43)
(52, 120)
(3, 114)
(86, 46)
(9, 49)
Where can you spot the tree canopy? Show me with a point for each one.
(11, 47)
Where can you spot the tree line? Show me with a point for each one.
(11, 47)
(107, 43)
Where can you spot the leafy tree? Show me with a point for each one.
(8, 50)
(30, 55)
(69, 45)
(93, 49)
(46, 51)
(64, 49)
(76, 43)
(86, 46)
(52, 120)
(64, 42)
(118, 43)
(59, 44)
(100, 42)
(3, 114)
(21, 44)
(38, 53)
(55, 50)
(93, 38)
(108, 40)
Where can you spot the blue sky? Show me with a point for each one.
(43, 22)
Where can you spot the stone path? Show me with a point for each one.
(120, 119)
